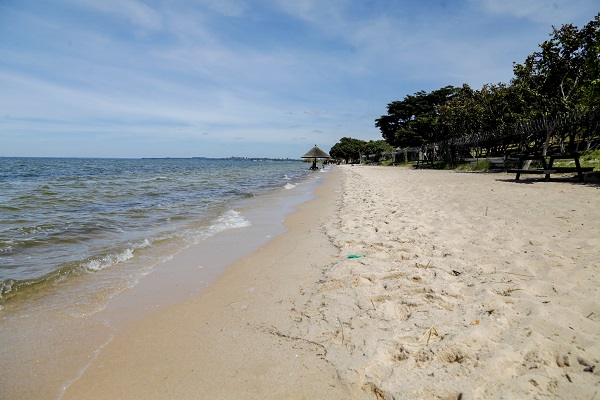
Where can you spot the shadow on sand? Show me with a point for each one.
(589, 179)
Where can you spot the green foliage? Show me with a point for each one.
(559, 74)
(386, 163)
(443, 165)
(348, 149)
(563, 76)
(591, 159)
(591, 155)
(376, 148)
(481, 165)
(413, 121)
(351, 150)
(471, 111)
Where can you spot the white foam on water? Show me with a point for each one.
(112, 259)
(289, 186)
(8, 246)
(6, 287)
(230, 220)
(108, 261)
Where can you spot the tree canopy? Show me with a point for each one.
(347, 149)
(351, 150)
(377, 147)
(413, 121)
(563, 76)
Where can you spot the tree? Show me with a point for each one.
(462, 115)
(560, 77)
(376, 148)
(494, 108)
(556, 91)
(413, 121)
(348, 149)
(591, 50)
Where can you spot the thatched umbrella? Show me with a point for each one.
(315, 153)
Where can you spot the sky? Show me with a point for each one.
(248, 78)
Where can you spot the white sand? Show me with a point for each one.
(507, 273)
(473, 286)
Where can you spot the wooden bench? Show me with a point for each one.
(546, 172)
(548, 168)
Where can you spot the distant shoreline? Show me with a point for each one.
(158, 158)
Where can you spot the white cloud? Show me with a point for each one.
(556, 12)
(302, 9)
(143, 17)
(217, 70)
(229, 8)
(328, 16)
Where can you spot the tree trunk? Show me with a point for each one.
(549, 130)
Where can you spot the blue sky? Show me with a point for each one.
(263, 78)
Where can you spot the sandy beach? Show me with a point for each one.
(472, 286)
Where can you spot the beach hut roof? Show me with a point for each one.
(316, 152)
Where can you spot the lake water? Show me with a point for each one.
(77, 233)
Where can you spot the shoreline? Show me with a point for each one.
(207, 346)
(46, 346)
(472, 286)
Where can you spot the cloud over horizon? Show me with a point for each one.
(182, 78)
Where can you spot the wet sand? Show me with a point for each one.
(235, 340)
(471, 286)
